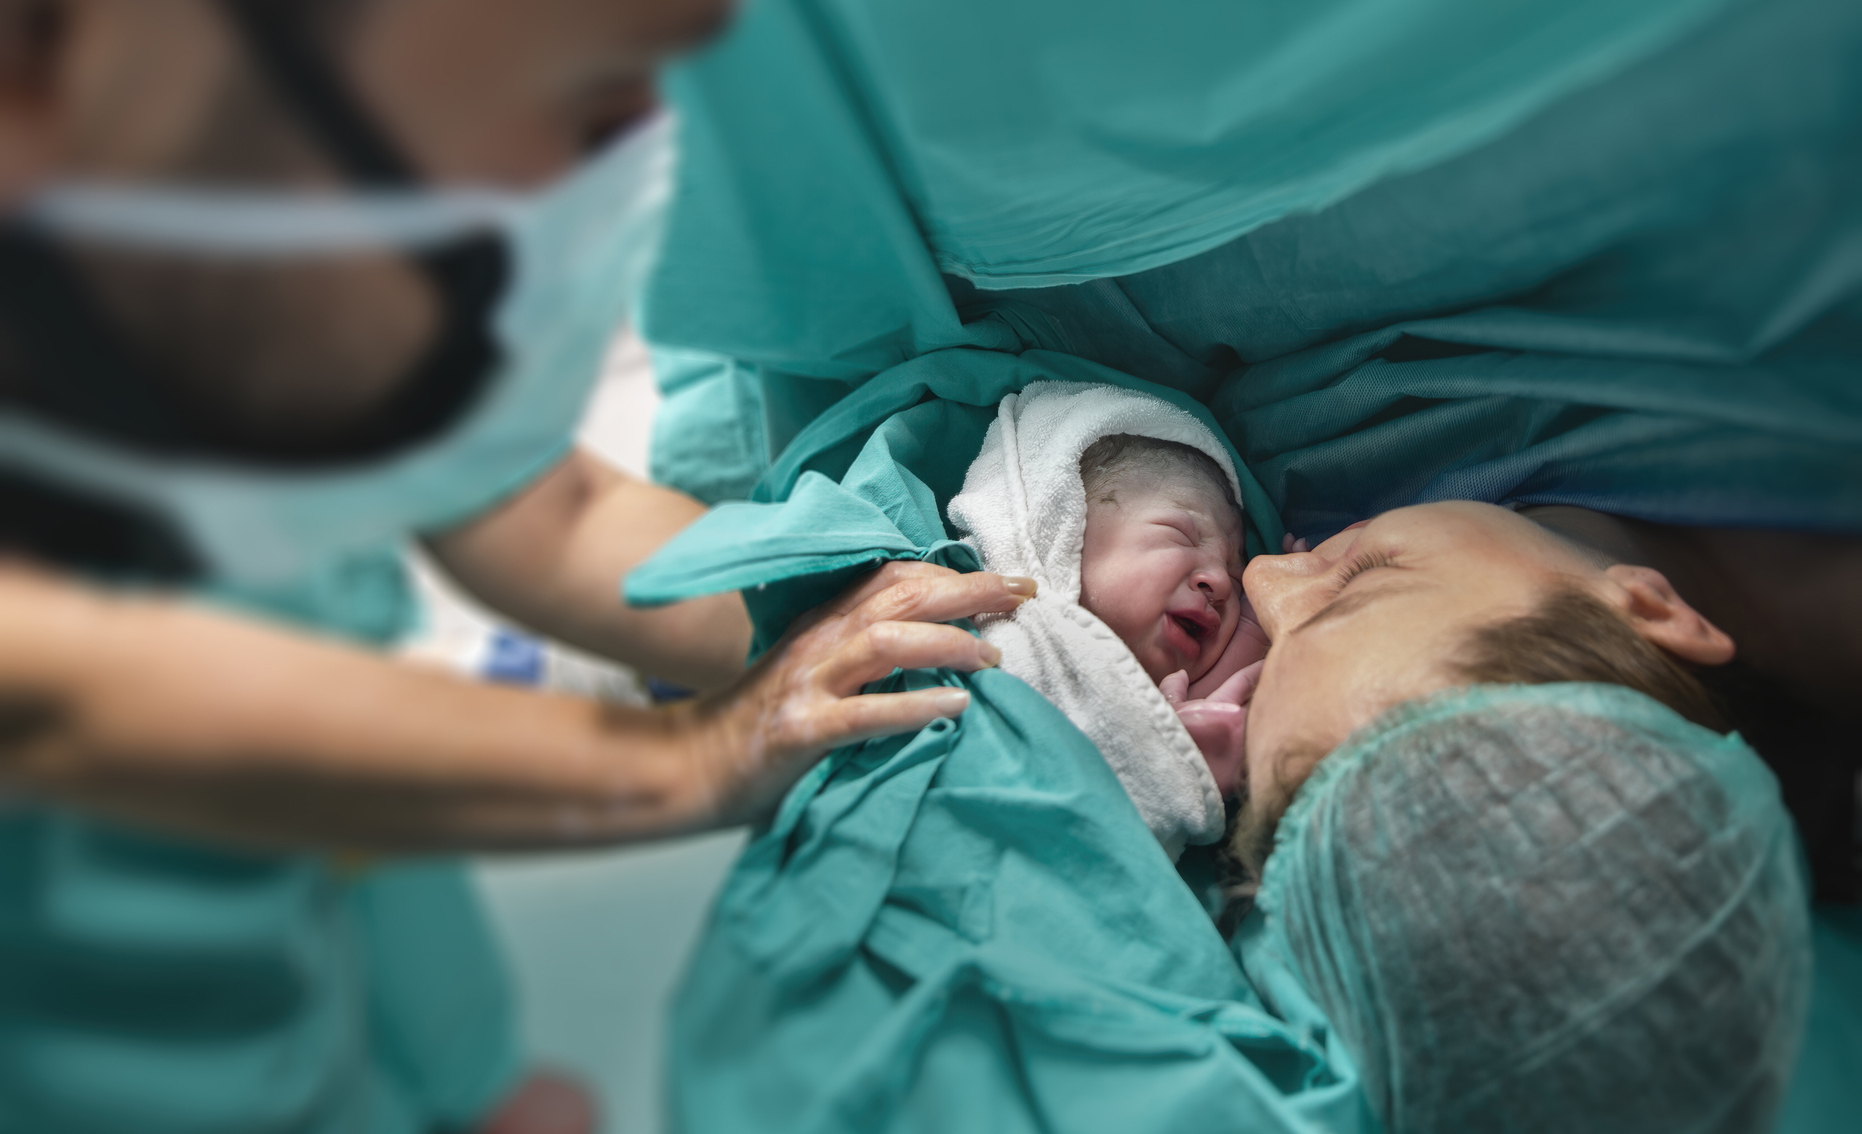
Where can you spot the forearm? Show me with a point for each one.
(159, 711)
(553, 559)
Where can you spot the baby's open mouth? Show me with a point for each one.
(1197, 626)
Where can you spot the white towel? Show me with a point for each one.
(1023, 507)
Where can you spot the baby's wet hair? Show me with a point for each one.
(1110, 459)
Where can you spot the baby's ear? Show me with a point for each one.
(1649, 601)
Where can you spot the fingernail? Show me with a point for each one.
(953, 702)
(1020, 585)
(991, 655)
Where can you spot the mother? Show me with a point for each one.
(1428, 597)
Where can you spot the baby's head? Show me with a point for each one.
(1162, 559)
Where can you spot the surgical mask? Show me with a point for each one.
(531, 289)
(217, 349)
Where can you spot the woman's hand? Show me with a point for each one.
(276, 739)
(802, 698)
(1217, 723)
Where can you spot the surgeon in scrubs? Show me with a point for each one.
(285, 284)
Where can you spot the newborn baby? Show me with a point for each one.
(1124, 507)
(1161, 566)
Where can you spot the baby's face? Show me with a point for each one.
(1162, 567)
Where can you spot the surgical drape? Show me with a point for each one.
(1635, 289)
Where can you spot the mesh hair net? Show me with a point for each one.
(1552, 907)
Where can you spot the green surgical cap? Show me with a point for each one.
(1549, 907)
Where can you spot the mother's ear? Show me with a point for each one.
(1644, 596)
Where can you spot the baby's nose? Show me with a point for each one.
(1213, 585)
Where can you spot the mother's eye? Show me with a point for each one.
(1369, 561)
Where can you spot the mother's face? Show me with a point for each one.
(1371, 617)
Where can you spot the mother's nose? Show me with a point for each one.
(1282, 588)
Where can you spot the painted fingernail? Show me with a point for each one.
(953, 702)
(1020, 585)
(991, 655)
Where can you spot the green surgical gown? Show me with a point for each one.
(153, 985)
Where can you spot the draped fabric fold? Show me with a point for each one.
(1626, 273)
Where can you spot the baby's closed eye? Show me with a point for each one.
(1183, 530)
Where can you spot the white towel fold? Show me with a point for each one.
(1023, 507)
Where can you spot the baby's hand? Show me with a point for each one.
(1217, 723)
